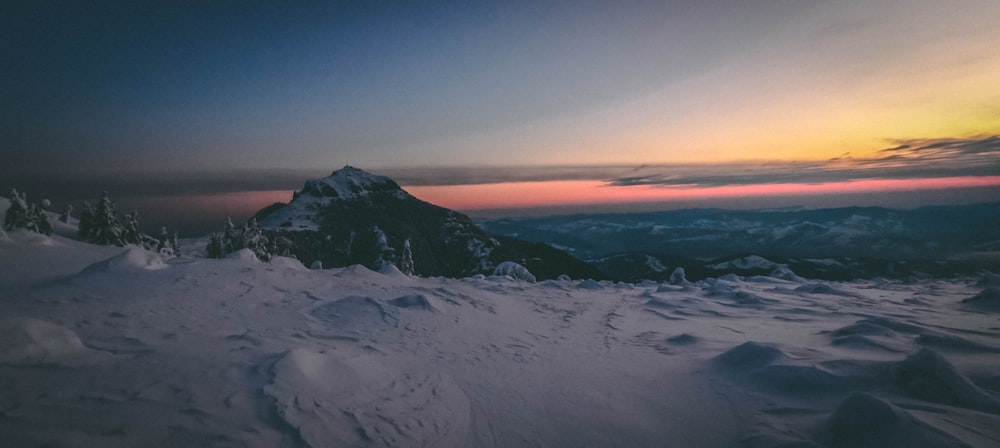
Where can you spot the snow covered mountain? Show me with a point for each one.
(354, 217)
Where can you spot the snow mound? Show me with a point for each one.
(361, 402)
(893, 324)
(748, 356)
(515, 271)
(669, 288)
(863, 328)
(822, 288)
(800, 380)
(417, 301)
(784, 273)
(286, 263)
(132, 259)
(243, 255)
(35, 342)
(656, 302)
(862, 342)
(953, 342)
(929, 376)
(590, 284)
(988, 300)
(678, 277)
(356, 316)
(862, 420)
(360, 271)
(27, 237)
(739, 298)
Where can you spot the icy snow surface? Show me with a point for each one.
(236, 352)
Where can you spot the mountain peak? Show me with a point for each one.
(345, 185)
(349, 183)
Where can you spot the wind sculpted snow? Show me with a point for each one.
(98, 349)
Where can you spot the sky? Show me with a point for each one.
(558, 103)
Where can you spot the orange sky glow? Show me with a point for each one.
(585, 192)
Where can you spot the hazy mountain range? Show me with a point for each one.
(825, 243)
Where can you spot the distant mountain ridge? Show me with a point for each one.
(840, 243)
(355, 217)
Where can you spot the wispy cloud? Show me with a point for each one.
(907, 159)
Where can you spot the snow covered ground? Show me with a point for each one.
(116, 347)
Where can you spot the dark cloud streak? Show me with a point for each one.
(909, 159)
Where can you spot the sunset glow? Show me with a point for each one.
(563, 193)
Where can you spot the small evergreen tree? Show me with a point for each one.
(16, 216)
(254, 239)
(130, 230)
(406, 260)
(386, 254)
(164, 244)
(38, 221)
(65, 215)
(281, 246)
(105, 227)
(230, 241)
(216, 248)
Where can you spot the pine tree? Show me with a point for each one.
(164, 245)
(130, 230)
(253, 239)
(65, 215)
(106, 229)
(38, 221)
(16, 216)
(386, 254)
(216, 248)
(406, 260)
(281, 246)
(230, 242)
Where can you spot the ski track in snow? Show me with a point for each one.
(99, 349)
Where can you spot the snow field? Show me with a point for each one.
(119, 347)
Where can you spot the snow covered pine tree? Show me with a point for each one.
(406, 260)
(20, 215)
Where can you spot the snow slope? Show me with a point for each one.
(98, 349)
